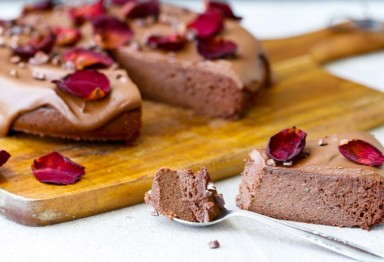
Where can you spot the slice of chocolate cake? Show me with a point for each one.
(186, 195)
(224, 87)
(323, 188)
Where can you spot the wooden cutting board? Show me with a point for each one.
(117, 175)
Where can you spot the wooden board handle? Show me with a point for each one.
(326, 45)
(343, 45)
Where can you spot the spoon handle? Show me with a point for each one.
(337, 245)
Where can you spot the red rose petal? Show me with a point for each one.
(142, 9)
(216, 48)
(286, 145)
(57, 169)
(4, 156)
(207, 24)
(67, 36)
(88, 84)
(362, 152)
(87, 12)
(84, 58)
(110, 32)
(42, 43)
(40, 6)
(168, 43)
(223, 7)
(122, 2)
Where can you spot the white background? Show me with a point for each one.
(132, 234)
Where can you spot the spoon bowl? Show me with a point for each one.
(337, 245)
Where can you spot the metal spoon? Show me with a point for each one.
(337, 245)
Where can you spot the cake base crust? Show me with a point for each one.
(47, 121)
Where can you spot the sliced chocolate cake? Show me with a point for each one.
(186, 195)
(320, 185)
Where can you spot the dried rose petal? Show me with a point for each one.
(57, 169)
(168, 43)
(362, 152)
(143, 9)
(122, 2)
(40, 6)
(87, 12)
(207, 24)
(286, 145)
(42, 43)
(110, 32)
(88, 84)
(223, 7)
(67, 36)
(216, 48)
(4, 156)
(84, 58)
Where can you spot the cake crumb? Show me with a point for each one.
(14, 73)
(15, 59)
(214, 244)
(344, 142)
(322, 142)
(290, 163)
(271, 162)
(38, 75)
(39, 58)
(21, 65)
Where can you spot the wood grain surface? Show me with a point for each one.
(118, 175)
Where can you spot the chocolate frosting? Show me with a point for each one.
(24, 93)
(245, 69)
(328, 160)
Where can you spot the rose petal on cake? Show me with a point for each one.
(362, 152)
(88, 84)
(208, 24)
(40, 6)
(86, 12)
(216, 48)
(223, 7)
(67, 36)
(57, 169)
(286, 145)
(4, 156)
(141, 9)
(122, 2)
(42, 43)
(84, 58)
(110, 32)
(167, 43)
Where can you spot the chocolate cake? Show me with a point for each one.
(186, 195)
(218, 74)
(322, 188)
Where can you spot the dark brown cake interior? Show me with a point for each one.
(185, 195)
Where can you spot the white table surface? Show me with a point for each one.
(132, 234)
